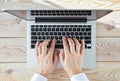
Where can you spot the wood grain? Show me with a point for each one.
(110, 24)
(14, 26)
(105, 71)
(66, 4)
(108, 49)
(11, 23)
(14, 49)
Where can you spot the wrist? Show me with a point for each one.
(43, 74)
(74, 73)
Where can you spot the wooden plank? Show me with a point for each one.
(105, 71)
(14, 49)
(109, 25)
(106, 30)
(66, 4)
(17, 28)
(108, 49)
(11, 26)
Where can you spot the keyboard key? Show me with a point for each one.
(34, 37)
(88, 29)
(40, 29)
(58, 46)
(42, 32)
(65, 29)
(56, 37)
(32, 29)
(61, 29)
(45, 29)
(78, 29)
(80, 33)
(57, 29)
(89, 25)
(38, 33)
(85, 45)
(59, 33)
(84, 33)
(74, 29)
(36, 29)
(32, 46)
(33, 33)
(68, 33)
(53, 29)
(87, 41)
(47, 33)
(89, 47)
(89, 33)
(70, 29)
(72, 33)
(33, 41)
(61, 13)
(63, 33)
(88, 38)
(49, 29)
(51, 33)
(82, 29)
(39, 37)
(76, 33)
(55, 33)
(77, 37)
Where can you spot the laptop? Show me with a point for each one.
(52, 23)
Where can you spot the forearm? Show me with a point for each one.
(38, 77)
(79, 77)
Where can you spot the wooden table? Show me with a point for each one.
(13, 42)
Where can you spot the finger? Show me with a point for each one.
(52, 47)
(82, 47)
(36, 47)
(44, 46)
(37, 51)
(77, 44)
(61, 56)
(55, 60)
(65, 45)
(72, 45)
(40, 49)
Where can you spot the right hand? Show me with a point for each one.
(71, 56)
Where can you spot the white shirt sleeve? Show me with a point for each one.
(79, 77)
(38, 77)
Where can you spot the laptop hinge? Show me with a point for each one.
(60, 19)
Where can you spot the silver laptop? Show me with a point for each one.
(52, 23)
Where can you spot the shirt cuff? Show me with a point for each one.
(79, 77)
(38, 77)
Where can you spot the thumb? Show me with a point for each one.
(61, 56)
(55, 57)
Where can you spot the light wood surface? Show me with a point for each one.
(106, 26)
(13, 41)
(105, 71)
(14, 49)
(62, 4)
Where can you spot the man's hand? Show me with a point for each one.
(46, 59)
(71, 56)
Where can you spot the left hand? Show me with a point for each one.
(46, 59)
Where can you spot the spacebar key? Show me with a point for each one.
(58, 46)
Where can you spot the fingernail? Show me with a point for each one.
(63, 37)
(54, 39)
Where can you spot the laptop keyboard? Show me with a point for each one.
(61, 13)
(42, 32)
